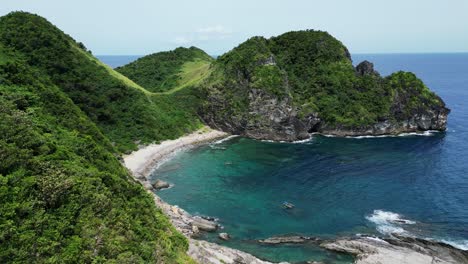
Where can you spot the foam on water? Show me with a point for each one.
(224, 139)
(388, 223)
(460, 244)
(424, 134)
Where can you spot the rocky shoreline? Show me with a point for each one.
(397, 249)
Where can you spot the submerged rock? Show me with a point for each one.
(159, 184)
(224, 236)
(400, 249)
(287, 240)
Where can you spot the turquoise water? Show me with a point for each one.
(340, 186)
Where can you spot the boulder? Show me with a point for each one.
(287, 240)
(224, 236)
(159, 184)
(204, 224)
(195, 231)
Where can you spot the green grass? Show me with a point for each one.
(126, 81)
(168, 71)
(192, 73)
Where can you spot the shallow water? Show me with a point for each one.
(415, 185)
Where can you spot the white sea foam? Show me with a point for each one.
(224, 139)
(460, 244)
(289, 142)
(303, 140)
(389, 222)
(424, 134)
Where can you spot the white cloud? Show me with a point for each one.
(182, 40)
(213, 32)
(216, 32)
(218, 29)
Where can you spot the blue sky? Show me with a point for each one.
(124, 27)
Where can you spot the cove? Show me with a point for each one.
(340, 187)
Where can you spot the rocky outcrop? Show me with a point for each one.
(203, 224)
(298, 83)
(211, 253)
(159, 184)
(366, 68)
(287, 240)
(402, 250)
(276, 119)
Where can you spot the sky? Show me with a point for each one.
(139, 27)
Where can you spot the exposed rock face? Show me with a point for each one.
(402, 250)
(366, 68)
(277, 119)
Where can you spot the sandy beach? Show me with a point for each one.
(144, 160)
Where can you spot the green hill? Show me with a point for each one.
(65, 197)
(123, 110)
(169, 71)
(299, 82)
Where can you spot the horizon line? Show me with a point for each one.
(355, 53)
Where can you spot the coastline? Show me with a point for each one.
(143, 161)
(367, 250)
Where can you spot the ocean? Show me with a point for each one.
(339, 186)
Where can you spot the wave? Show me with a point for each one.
(460, 244)
(288, 142)
(224, 139)
(427, 133)
(388, 222)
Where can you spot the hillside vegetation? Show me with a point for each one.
(65, 197)
(125, 112)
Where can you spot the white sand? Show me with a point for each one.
(144, 160)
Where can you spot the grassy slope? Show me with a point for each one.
(191, 74)
(167, 72)
(123, 110)
(65, 197)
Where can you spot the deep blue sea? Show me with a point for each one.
(340, 186)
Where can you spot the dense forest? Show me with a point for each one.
(64, 118)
